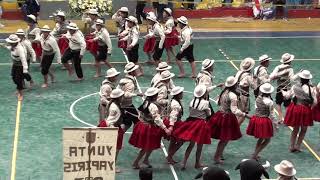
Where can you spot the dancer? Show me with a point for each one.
(260, 73)
(75, 52)
(171, 33)
(149, 43)
(114, 119)
(147, 133)
(91, 45)
(50, 49)
(316, 109)
(299, 114)
(162, 66)
(59, 30)
(186, 50)
(224, 124)
(102, 37)
(33, 33)
(261, 124)
(105, 90)
(120, 18)
(195, 128)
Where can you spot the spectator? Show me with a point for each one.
(31, 7)
(145, 174)
(212, 173)
(285, 170)
(1, 25)
(141, 4)
(252, 169)
(280, 5)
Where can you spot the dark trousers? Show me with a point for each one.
(17, 76)
(129, 118)
(46, 63)
(139, 11)
(27, 76)
(75, 57)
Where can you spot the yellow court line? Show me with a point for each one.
(15, 143)
(304, 142)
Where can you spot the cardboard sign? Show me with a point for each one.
(89, 153)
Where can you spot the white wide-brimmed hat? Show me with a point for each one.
(150, 13)
(176, 90)
(183, 20)
(99, 22)
(231, 81)
(266, 88)
(124, 9)
(247, 64)
(152, 17)
(112, 72)
(285, 168)
(163, 66)
(166, 75)
(73, 26)
(286, 58)
(207, 63)
(93, 11)
(130, 67)
(264, 58)
(132, 19)
(32, 17)
(45, 28)
(60, 13)
(20, 32)
(151, 91)
(13, 38)
(168, 10)
(305, 74)
(116, 93)
(200, 90)
(318, 86)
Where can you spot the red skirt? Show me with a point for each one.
(37, 49)
(225, 126)
(146, 136)
(120, 134)
(92, 46)
(149, 45)
(177, 124)
(122, 44)
(63, 44)
(195, 130)
(260, 127)
(172, 39)
(316, 112)
(298, 115)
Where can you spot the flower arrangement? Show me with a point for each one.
(80, 6)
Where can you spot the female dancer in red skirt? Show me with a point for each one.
(299, 114)
(224, 123)
(92, 46)
(195, 128)
(260, 125)
(60, 29)
(114, 118)
(120, 18)
(174, 121)
(148, 131)
(171, 33)
(33, 34)
(316, 109)
(150, 43)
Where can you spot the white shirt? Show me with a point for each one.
(36, 32)
(205, 78)
(262, 76)
(50, 44)
(277, 73)
(203, 106)
(163, 94)
(175, 111)
(157, 78)
(154, 111)
(132, 37)
(290, 94)
(246, 79)
(157, 31)
(30, 51)
(185, 37)
(113, 115)
(168, 26)
(127, 85)
(103, 38)
(105, 91)
(19, 54)
(76, 41)
(234, 105)
(268, 102)
(59, 29)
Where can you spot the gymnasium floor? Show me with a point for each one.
(44, 112)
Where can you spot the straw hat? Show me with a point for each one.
(210, 173)
(151, 91)
(151, 13)
(20, 32)
(132, 19)
(116, 93)
(305, 74)
(166, 75)
(124, 9)
(207, 63)
(264, 58)
(231, 81)
(266, 88)
(73, 26)
(286, 58)
(60, 13)
(168, 10)
(112, 72)
(13, 38)
(176, 90)
(93, 11)
(163, 66)
(200, 90)
(45, 28)
(32, 17)
(130, 67)
(183, 20)
(247, 64)
(285, 168)
(99, 22)
(152, 17)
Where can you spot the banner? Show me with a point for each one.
(89, 153)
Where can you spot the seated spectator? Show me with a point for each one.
(252, 169)
(145, 174)
(30, 7)
(285, 170)
(212, 173)
(280, 5)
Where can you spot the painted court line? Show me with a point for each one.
(15, 143)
